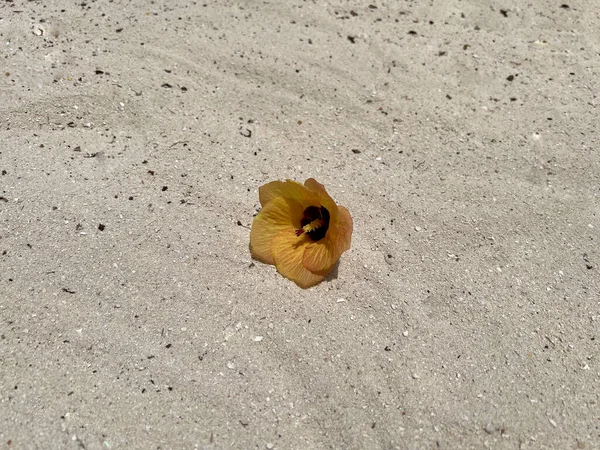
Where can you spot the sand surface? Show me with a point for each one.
(461, 135)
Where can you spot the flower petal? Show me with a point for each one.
(288, 189)
(345, 226)
(275, 217)
(321, 256)
(324, 198)
(287, 250)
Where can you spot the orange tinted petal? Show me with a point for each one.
(324, 198)
(314, 185)
(322, 255)
(276, 216)
(345, 226)
(288, 189)
(287, 250)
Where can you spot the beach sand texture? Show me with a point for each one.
(461, 135)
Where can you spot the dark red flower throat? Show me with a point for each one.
(315, 223)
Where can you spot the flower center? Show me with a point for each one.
(315, 223)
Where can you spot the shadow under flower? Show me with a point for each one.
(333, 275)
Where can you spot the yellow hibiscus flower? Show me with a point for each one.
(300, 230)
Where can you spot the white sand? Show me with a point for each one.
(467, 153)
